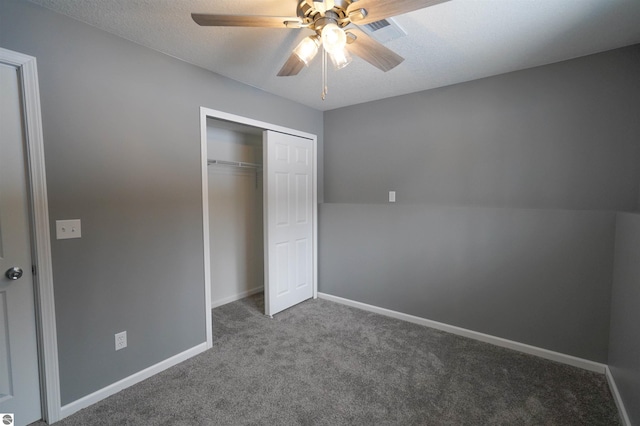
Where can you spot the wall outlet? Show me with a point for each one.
(121, 340)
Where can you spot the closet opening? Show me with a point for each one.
(260, 215)
(236, 221)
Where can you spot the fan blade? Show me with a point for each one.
(292, 67)
(246, 21)
(381, 9)
(371, 51)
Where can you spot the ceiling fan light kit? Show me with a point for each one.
(333, 38)
(340, 59)
(328, 19)
(307, 49)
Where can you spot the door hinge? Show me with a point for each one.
(33, 269)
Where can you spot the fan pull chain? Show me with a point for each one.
(325, 87)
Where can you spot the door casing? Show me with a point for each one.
(40, 236)
(220, 115)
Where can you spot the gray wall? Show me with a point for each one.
(122, 145)
(539, 277)
(506, 188)
(624, 344)
(562, 136)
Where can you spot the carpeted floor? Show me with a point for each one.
(322, 363)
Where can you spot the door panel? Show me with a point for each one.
(288, 220)
(302, 198)
(282, 272)
(302, 262)
(5, 368)
(282, 198)
(19, 381)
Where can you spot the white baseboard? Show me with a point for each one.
(224, 301)
(116, 387)
(487, 338)
(624, 417)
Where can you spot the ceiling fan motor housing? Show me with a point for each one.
(316, 20)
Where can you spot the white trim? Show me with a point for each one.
(120, 385)
(622, 411)
(221, 115)
(265, 225)
(314, 213)
(205, 228)
(45, 304)
(242, 295)
(497, 341)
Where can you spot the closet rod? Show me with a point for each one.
(235, 164)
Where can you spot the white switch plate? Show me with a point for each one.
(121, 340)
(66, 229)
(392, 196)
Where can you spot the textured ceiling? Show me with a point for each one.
(457, 41)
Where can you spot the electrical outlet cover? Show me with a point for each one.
(121, 340)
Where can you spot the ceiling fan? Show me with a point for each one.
(329, 20)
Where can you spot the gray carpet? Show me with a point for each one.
(321, 363)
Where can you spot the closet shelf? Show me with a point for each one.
(240, 164)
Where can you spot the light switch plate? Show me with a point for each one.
(392, 196)
(66, 229)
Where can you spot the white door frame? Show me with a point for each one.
(220, 115)
(40, 238)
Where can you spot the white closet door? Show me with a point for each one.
(289, 225)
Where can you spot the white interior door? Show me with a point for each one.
(289, 223)
(19, 380)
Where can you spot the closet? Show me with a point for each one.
(234, 168)
(260, 211)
